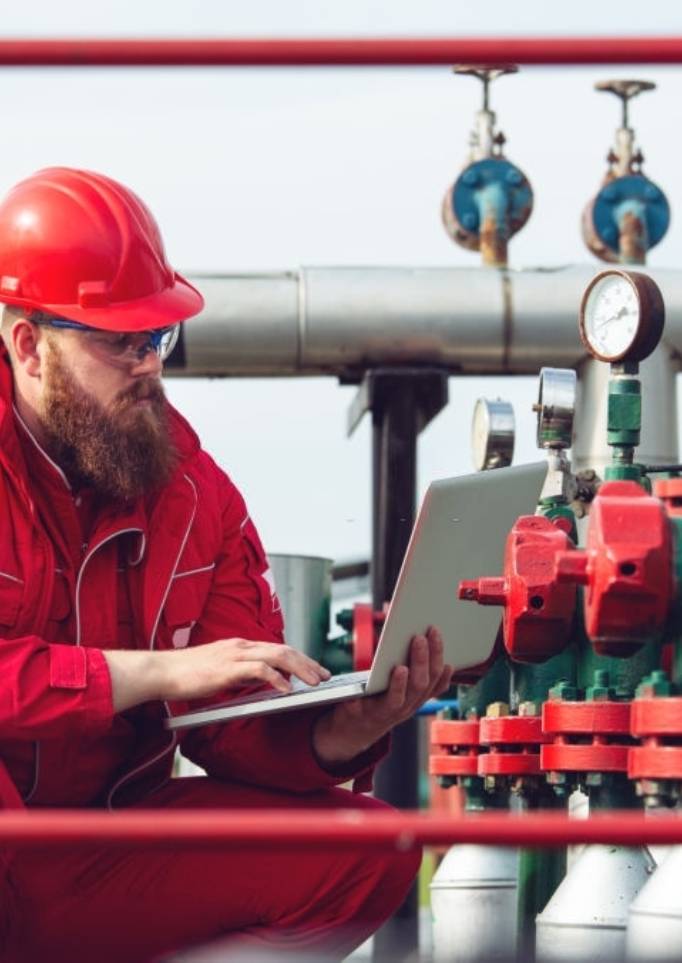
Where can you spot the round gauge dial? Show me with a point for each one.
(621, 316)
(492, 434)
(556, 407)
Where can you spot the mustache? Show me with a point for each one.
(146, 390)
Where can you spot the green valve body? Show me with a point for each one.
(624, 418)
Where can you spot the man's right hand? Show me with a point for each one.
(205, 670)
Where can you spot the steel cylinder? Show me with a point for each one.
(340, 321)
(654, 931)
(587, 916)
(303, 584)
(474, 905)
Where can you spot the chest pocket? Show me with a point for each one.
(185, 603)
(60, 609)
(11, 597)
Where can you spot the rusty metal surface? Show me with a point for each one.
(633, 239)
(493, 243)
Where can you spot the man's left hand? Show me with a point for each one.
(350, 728)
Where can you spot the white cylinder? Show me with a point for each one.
(655, 920)
(474, 905)
(304, 587)
(587, 916)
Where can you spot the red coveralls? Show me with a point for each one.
(185, 567)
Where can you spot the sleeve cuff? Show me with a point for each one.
(75, 669)
(360, 769)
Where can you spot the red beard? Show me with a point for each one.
(122, 453)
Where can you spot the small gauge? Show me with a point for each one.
(556, 407)
(621, 316)
(492, 434)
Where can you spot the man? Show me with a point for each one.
(131, 587)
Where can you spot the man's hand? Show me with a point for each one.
(350, 728)
(206, 670)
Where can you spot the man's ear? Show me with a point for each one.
(28, 347)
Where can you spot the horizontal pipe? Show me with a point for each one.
(364, 52)
(341, 321)
(433, 706)
(351, 569)
(313, 829)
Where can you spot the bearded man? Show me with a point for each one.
(132, 587)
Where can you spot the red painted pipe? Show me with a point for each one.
(340, 52)
(187, 829)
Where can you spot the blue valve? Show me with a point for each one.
(633, 196)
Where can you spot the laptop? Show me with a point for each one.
(460, 532)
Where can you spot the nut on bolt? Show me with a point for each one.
(601, 689)
(564, 690)
(652, 789)
(496, 710)
(558, 782)
(527, 709)
(655, 684)
(594, 779)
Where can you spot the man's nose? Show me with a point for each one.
(149, 364)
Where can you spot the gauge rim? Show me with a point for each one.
(651, 316)
(500, 431)
(552, 380)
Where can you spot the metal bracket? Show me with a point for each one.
(379, 385)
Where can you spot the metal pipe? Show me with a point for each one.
(342, 321)
(494, 220)
(292, 52)
(331, 829)
(633, 242)
(434, 706)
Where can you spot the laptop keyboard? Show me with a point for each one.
(346, 678)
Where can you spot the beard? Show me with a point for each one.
(122, 452)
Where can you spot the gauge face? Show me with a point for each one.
(556, 407)
(621, 316)
(612, 316)
(492, 434)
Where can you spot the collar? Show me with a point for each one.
(51, 467)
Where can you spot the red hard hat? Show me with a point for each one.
(82, 246)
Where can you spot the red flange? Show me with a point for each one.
(538, 612)
(455, 747)
(657, 717)
(585, 736)
(655, 760)
(365, 634)
(514, 746)
(626, 566)
(658, 723)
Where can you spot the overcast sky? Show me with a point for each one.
(252, 169)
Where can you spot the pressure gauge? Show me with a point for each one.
(621, 316)
(492, 434)
(556, 407)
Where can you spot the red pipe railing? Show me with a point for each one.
(339, 52)
(338, 829)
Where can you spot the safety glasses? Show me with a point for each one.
(122, 349)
